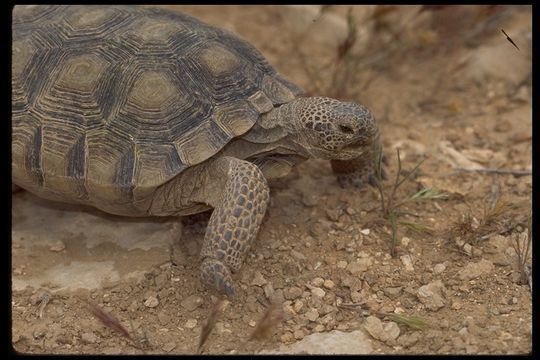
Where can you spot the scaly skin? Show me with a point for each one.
(234, 223)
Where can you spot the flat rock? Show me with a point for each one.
(192, 302)
(88, 248)
(473, 270)
(381, 331)
(431, 295)
(330, 343)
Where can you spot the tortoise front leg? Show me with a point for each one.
(235, 221)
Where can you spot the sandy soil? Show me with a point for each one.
(322, 248)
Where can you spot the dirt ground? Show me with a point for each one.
(439, 94)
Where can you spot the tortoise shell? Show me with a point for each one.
(110, 102)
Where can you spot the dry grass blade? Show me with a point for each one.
(417, 227)
(108, 320)
(412, 321)
(493, 213)
(211, 322)
(271, 318)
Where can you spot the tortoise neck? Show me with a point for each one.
(281, 116)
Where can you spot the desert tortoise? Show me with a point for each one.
(148, 112)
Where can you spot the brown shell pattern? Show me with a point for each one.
(110, 102)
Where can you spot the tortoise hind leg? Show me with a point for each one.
(235, 221)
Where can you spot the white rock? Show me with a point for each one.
(312, 315)
(431, 295)
(258, 279)
(379, 330)
(329, 343)
(407, 261)
(365, 231)
(329, 284)
(192, 302)
(439, 268)
(191, 323)
(474, 270)
(57, 246)
(318, 292)
(151, 302)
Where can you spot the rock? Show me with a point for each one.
(495, 62)
(392, 292)
(191, 302)
(168, 347)
(57, 246)
(329, 284)
(474, 270)
(431, 295)
(298, 305)
(191, 323)
(365, 232)
(384, 332)
(258, 279)
(333, 214)
(341, 264)
(269, 291)
(297, 255)
(408, 340)
(292, 293)
(299, 334)
(330, 343)
(318, 328)
(405, 241)
(318, 281)
(329, 30)
(318, 292)
(88, 338)
(287, 337)
(151, 302)
(439, 268)
(360, 265)
(312, 315)
(163, 318)
(407, 261)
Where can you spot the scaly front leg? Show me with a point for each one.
(235, 221)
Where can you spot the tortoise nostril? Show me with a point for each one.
(346, 129)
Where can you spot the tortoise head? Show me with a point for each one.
(332, 129)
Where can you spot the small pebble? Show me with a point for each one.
(407, 261)
(57, 246)
(298, 255)
(318, 328)
(169, 346)
(329, 284)
(342, 264)
(191, 302)
(191, 323)
(439, 268)
(365, 231)
(151, 302)
(316, 291)
(312, 315)
(405, 241)
(258, 279)
(299, 334)
(88, 338)
(298, 305)
(468, 249)
(252, 323)
(456, 305)
(317, 282)
(286, 337)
